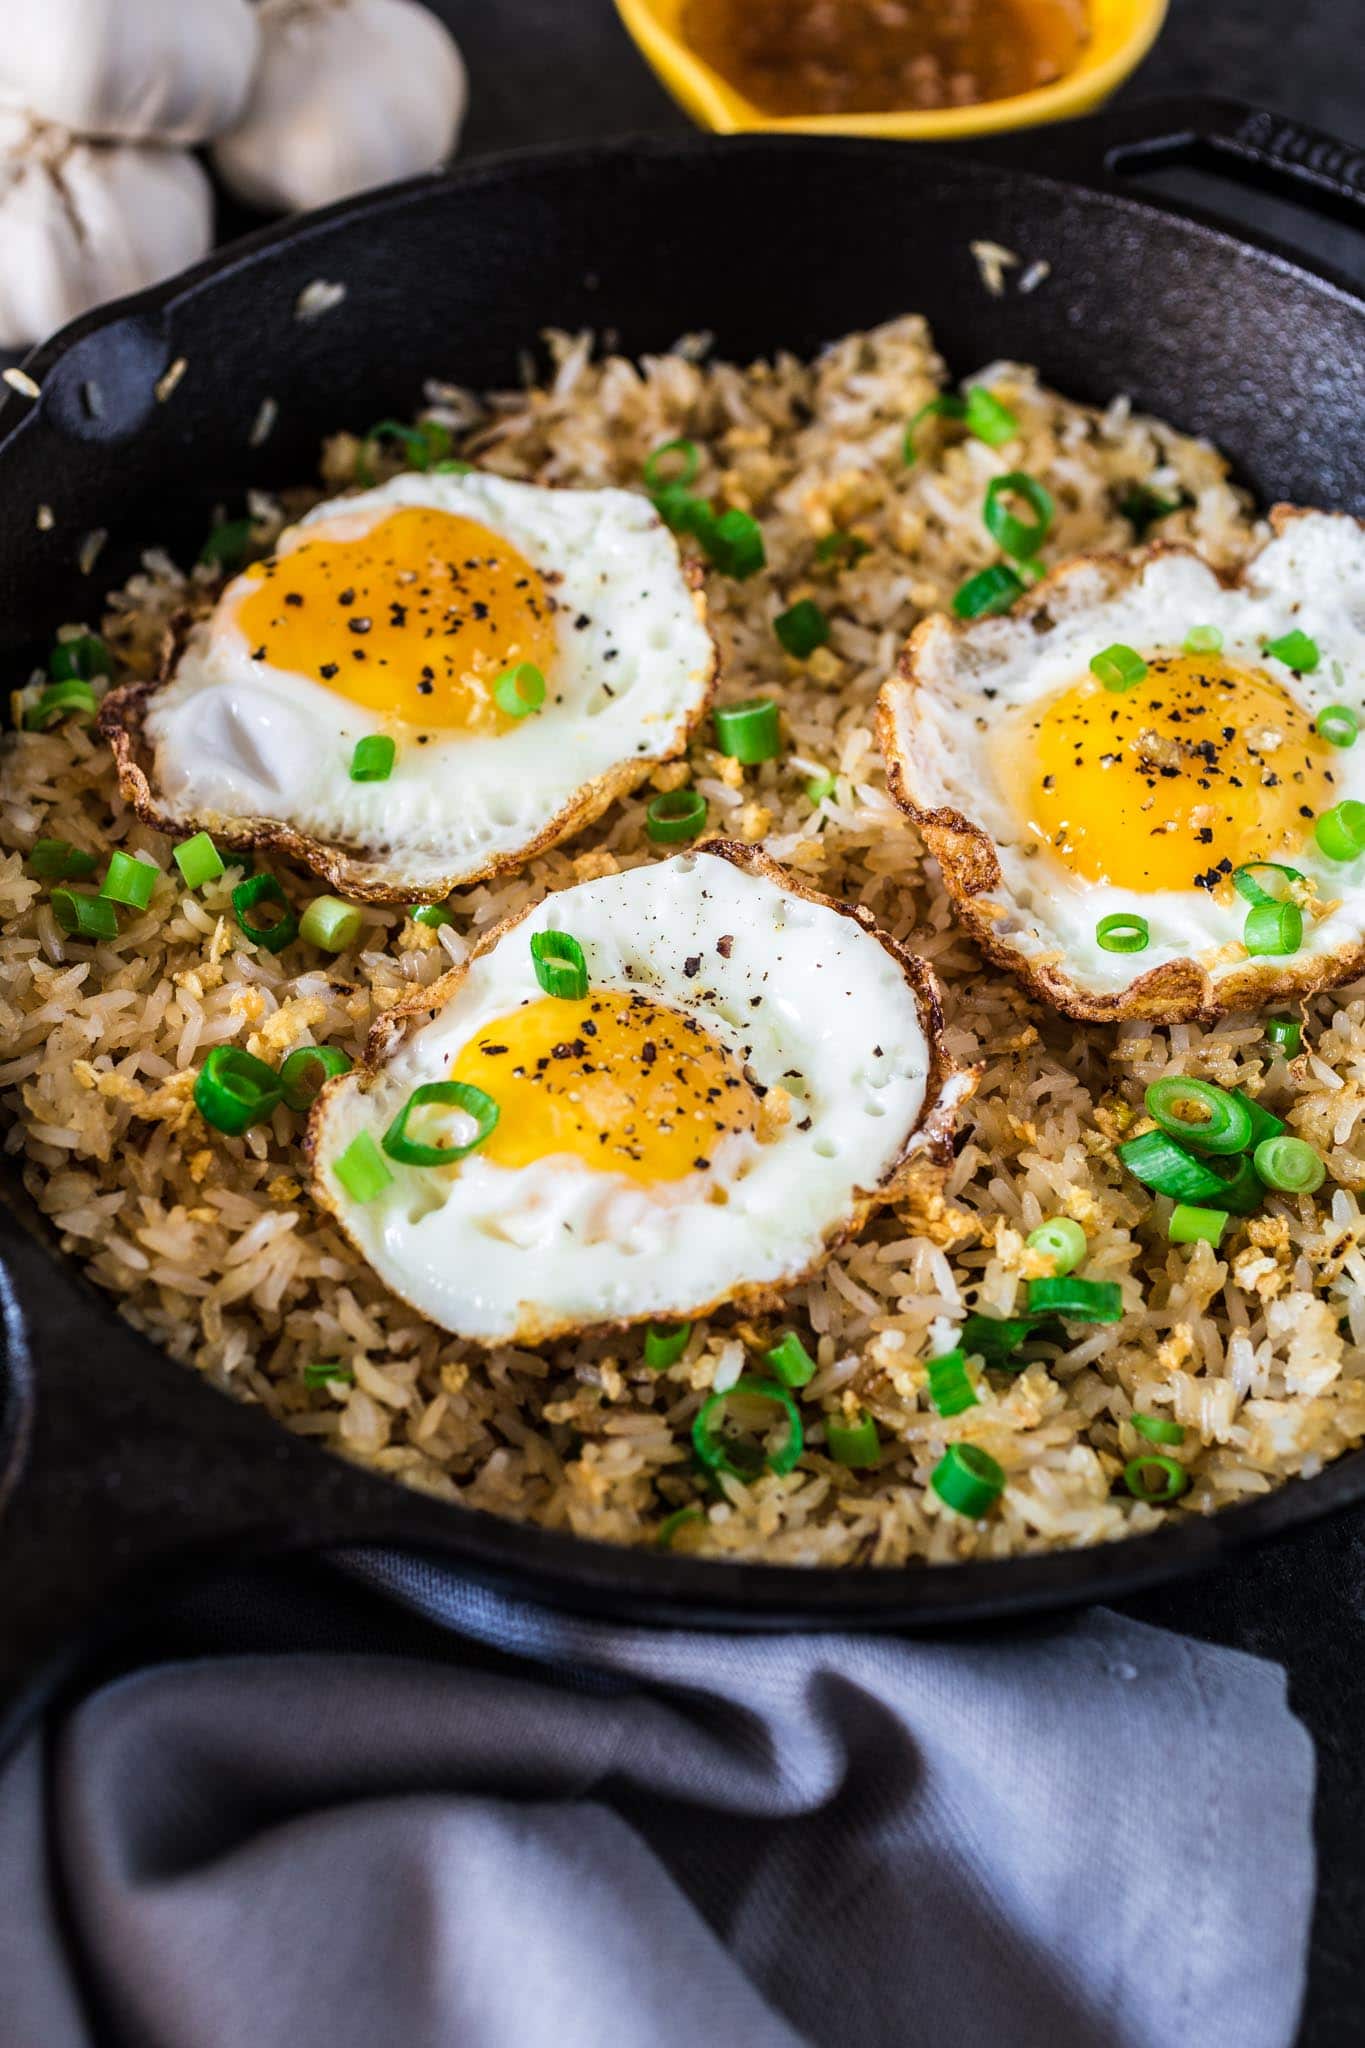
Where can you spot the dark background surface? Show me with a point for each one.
(546, 71)
(564, 70)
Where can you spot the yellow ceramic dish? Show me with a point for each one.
(1121, 34)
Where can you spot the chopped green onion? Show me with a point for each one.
(1264, 1123)
(1285, 1034)
(678, 815)
(1340, 832)
(57, 860)
(690, 456)
(968, 1480)
(321, 1372)
(1191, 1225)
(1173, 1478)
(373, 758)
(1246, 881)
(1289, 1165)
(1118, 667)
(459, 1095)
(790, 1362)
(981, 412)
(84, 917)
(1273, 929)
(821, 786)
(1338, 725)
(57, 701)
(361, 1169)
(855, 1444)
(802, 628)
(684, 512)
(228, 544)
(848, 548)
(1241, 1190)
(735, 544)
(1204, 640)
(1020, 539)
(426, 444)
(80, 660)
(989, 592)
(1123, 931)
(263, 888)
(233, 1090)
(671, 1524)
(1157, 1428)
(330, 923)
(1168, 1169)
(130, 881)
(1078, 1301)
(1207, 1117)
(519, 690)
(665, 1344)
(950, 1388)
(748, 732)
(1296, 651)
(988, 419)
(198, 860)
(1143, 507)
(306, 1069)
(432, 914)
(995, 1339)
(1062, 1240)
(560, 966)
(724, 1454)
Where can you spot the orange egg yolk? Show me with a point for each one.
(618, 1081)
(414, 619)
(1199, 769)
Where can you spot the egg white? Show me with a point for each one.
(235, 741)
(802, 992)
(958, 682)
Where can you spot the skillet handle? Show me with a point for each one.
(1250, 145)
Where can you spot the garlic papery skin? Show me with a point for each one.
(349, 94)
(82, 222)
(174, 71)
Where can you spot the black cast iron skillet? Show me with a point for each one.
(118, 1468)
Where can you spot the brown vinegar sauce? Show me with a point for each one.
(791, 57)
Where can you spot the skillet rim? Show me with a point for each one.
(575, 1571)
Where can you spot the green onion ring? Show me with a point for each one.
(373, 758)
(1077, 1301)
(789, 1361)
(1018, 538)
(968, 1480)
(519, 690)
(1123, 931)
(1273, 929)
(1200, 1114)
(198, 860)
(1285, 1034)
(1061, 1240)
(306, 1070)
(1118, 667)
(749, 732)
(361, 1169)
(1175, 1479)
(459, 1095)
(950, 1388)
(1338, 725)
(263, 888)
(560, 966)
(676, 816)
(1158, 1429)
(1340, 832)
(57, 860)
(802, 628)
(711, 1448)
(665, 1344)
(84, 917)
(691, 463)
(1289, 1165)
(1244, 881)
(1296, 651)
(988, 593)
(1189, 1224)
(854, 1444)
(233, 1090)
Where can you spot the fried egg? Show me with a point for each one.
(1058, 799)
(749, 1071)
(400, 613)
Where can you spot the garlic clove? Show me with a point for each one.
(349, 94)
(174, 71)
(83, 222)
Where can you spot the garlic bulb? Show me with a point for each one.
(83, 222)
(153, 70)
(349, 94)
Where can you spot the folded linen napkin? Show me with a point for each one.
(569, 1834)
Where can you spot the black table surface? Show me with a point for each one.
(564, 70)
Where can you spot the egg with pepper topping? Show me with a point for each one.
(426, 683)
(674, 1087)
(1143, 784)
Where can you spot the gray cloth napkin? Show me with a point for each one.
(1096, 1833)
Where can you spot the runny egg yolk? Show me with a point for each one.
(414, 618)
(1199, 769)
(619, 1081)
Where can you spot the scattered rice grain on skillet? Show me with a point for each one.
(214, 1250)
